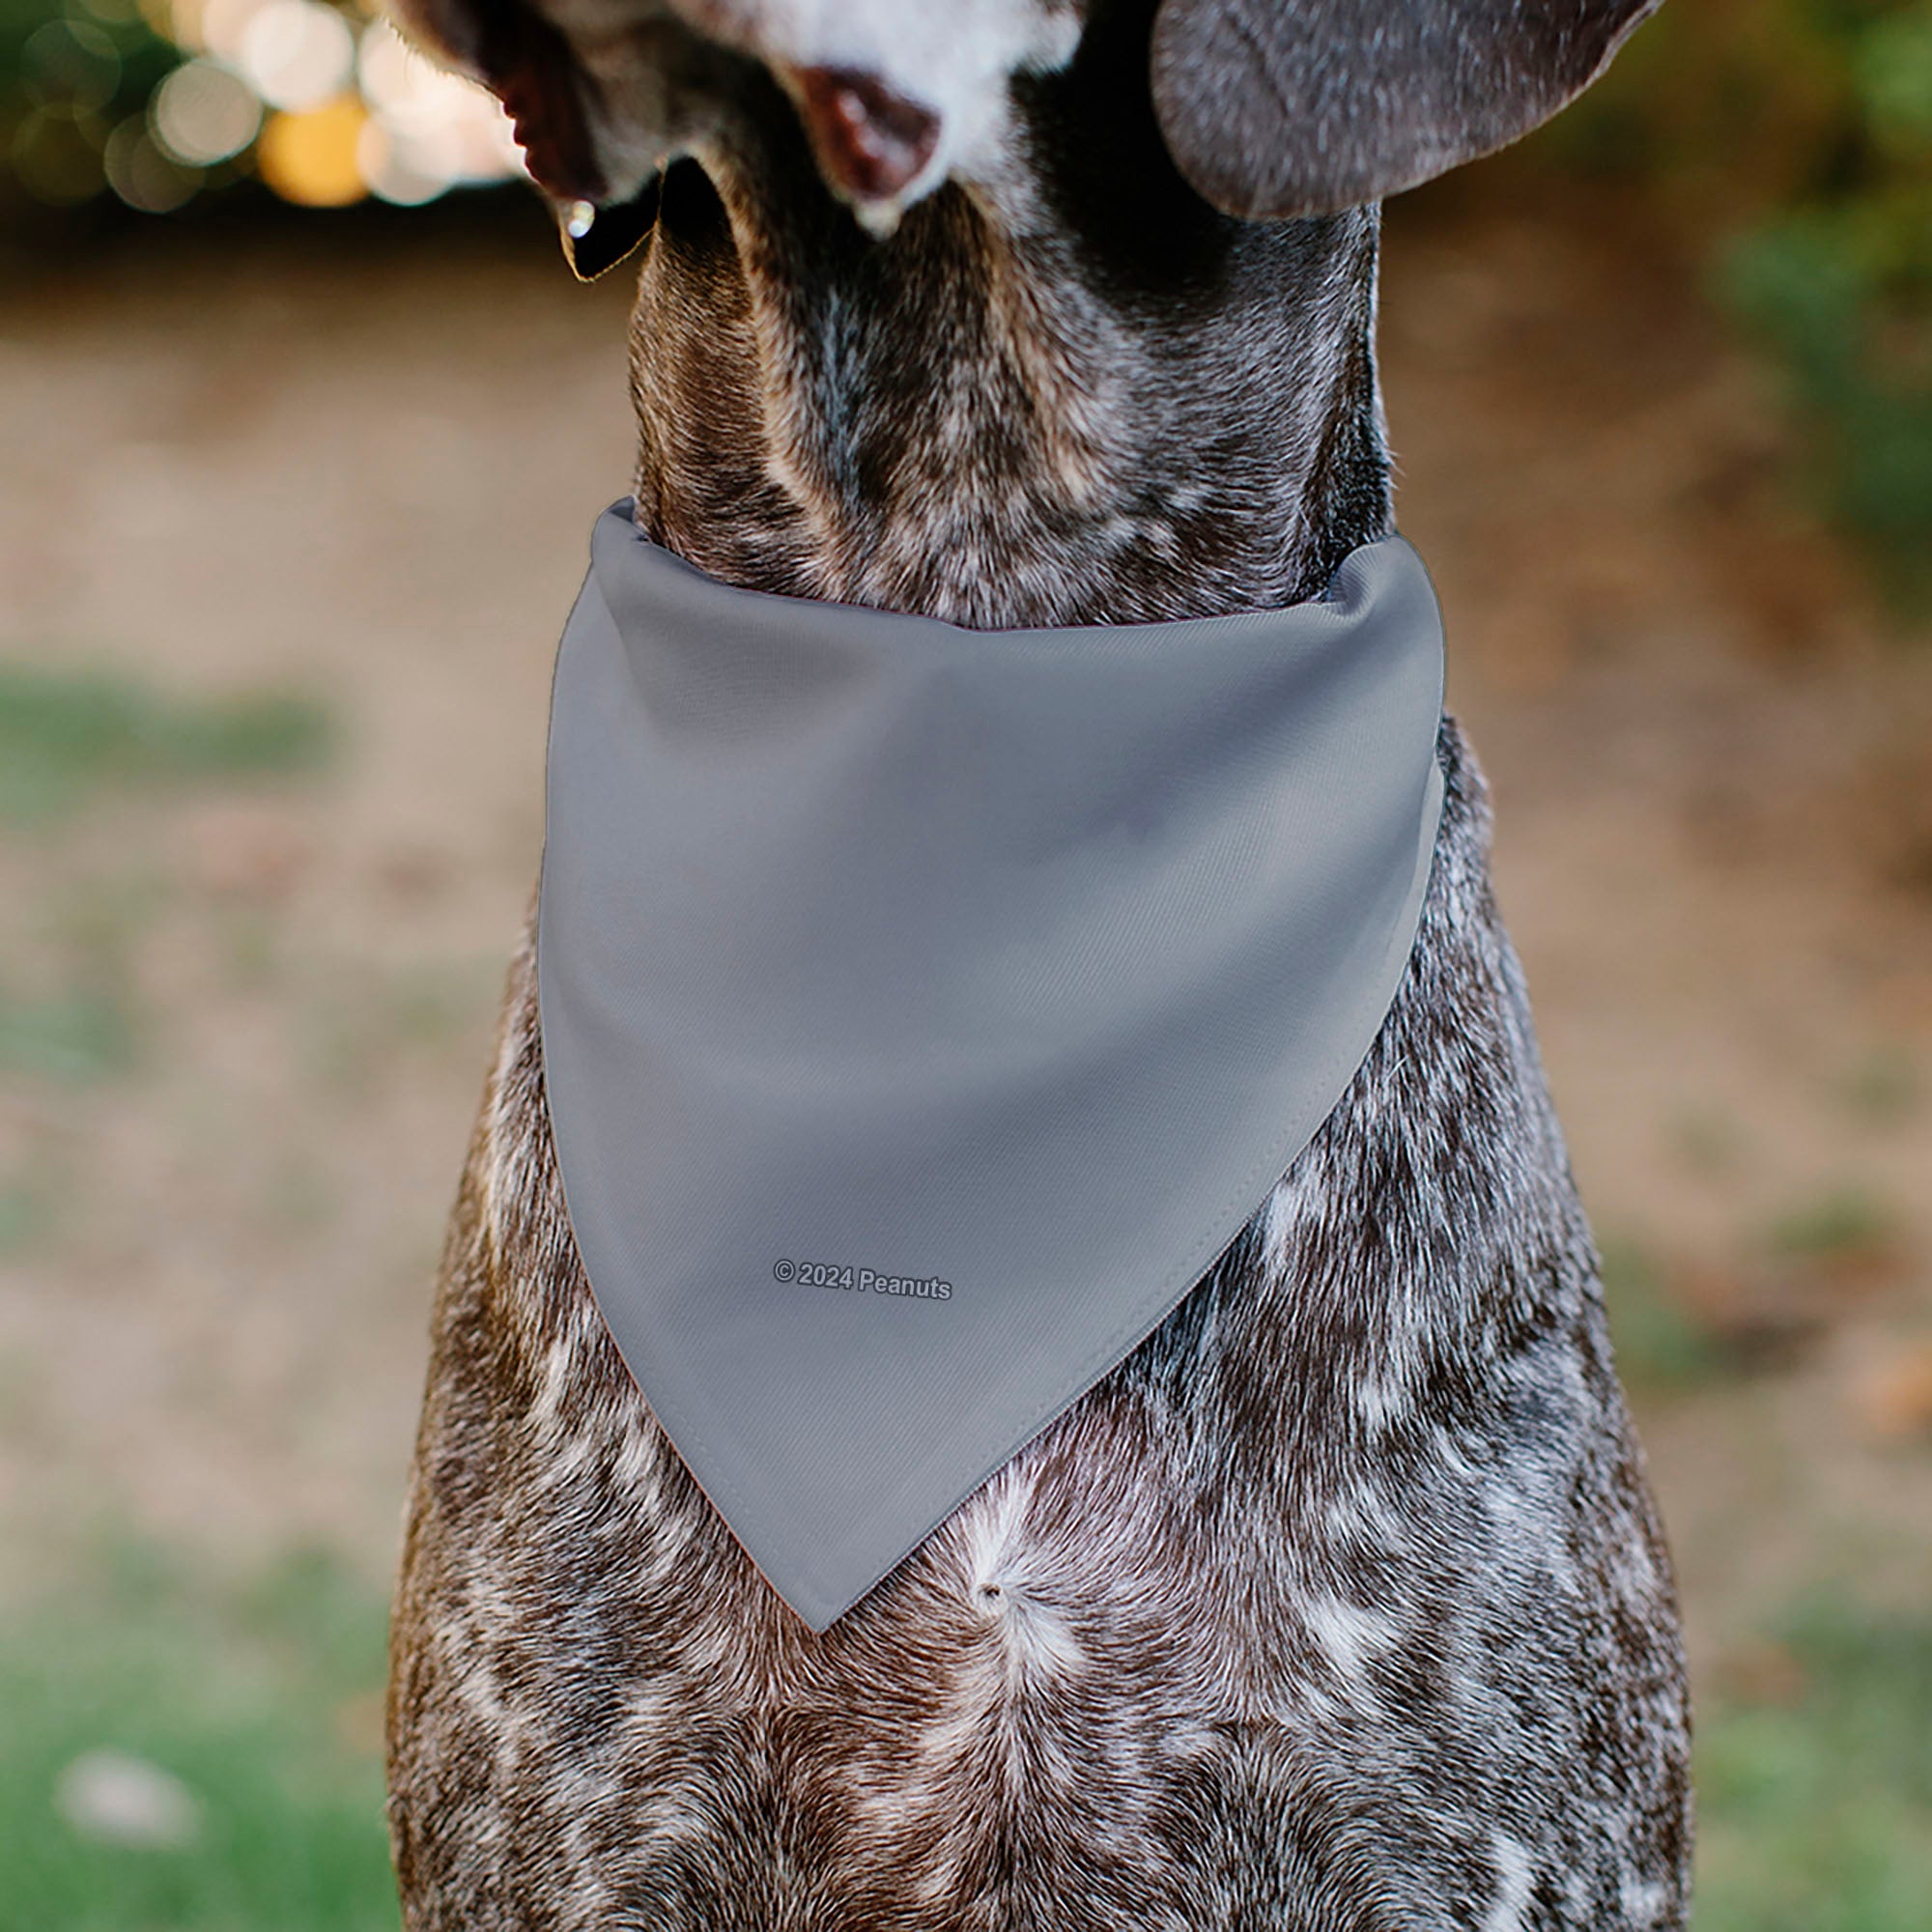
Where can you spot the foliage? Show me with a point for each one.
(1801, 132)
(156, 105)
(68, 79)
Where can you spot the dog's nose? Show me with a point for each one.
(870, 142)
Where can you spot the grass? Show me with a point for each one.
(1883, 1088)
(83, 1021)
(67, 735)
(73, 1038)
(1845, 1238)
(23, 1216)
(258, 1703)
(1845, 1223)
(1660, 1344)
(1815, 1809)
(67, 738)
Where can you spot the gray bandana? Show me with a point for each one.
(924, 1009)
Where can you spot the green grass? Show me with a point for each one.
(245, 1700)
(1660, 1344)
(1815, 1814)
(74, 1037)
(23, 1216)
(1883, 1088)
(67, 735)
(1844, 1221)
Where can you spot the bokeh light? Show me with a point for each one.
(296, 54)
(157, 101)
(73, 61)
(204, 112)
(56, 152)
(311, 156)
(429, 130)
(142, 174)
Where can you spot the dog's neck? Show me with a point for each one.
(1076, 395)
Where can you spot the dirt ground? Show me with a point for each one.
(364, 465)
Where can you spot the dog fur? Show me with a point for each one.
(1340, 1604)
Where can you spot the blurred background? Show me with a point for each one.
(304, 426)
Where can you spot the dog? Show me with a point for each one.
(1341, 1605)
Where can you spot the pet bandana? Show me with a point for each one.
(924, 1009)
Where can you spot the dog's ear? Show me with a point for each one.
(1284, 107)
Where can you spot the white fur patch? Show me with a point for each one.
(1349, 1635)
(1515, 1874)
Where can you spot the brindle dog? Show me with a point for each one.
(1341, 1604)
